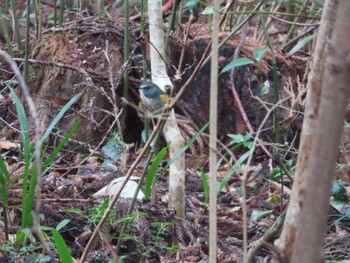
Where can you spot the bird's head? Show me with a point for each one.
(150, 90)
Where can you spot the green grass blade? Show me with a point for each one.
(62, 224)
(4, 182)
(3, 169)
(27, 218)
(61, 246)
(3, 189)
(23, 123)
(237, 63)
(205, 185)
(50, 160)
(302, 43)
(152, 171)
(31, 191)
(60, 115)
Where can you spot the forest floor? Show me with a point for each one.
(153, 232)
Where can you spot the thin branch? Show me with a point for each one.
(270, 233)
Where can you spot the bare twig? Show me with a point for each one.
(270, 233)
(9, 125)
(179, 68)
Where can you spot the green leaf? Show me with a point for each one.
(27, 193)
(152, 171)
(317, 3)
(237, 63)
(51, 16)
(23, 123)
(3, 169)
(3, 189)
(11, 82)
(171, 249)
(62, 224)
(44, 228)
(338, 191)
(266, 88)
(237, 138)
(302, 43)
(191, 4)
(130, 217)
(248, 136)
(205, 185)
(28, 234)
(61, 246)
(241, 140)
(208, 10)
(44, 259)
(248, 145)
(259, 53)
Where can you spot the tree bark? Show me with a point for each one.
(303, 231)
(171, 130)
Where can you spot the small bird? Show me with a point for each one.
(153, 98)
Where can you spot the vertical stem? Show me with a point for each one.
(181, 6)
(144, 62)
(61, 12)
(245, 217)
(126, 57)
(213, 133)
(101, 8)
(15, 21)
(276, 116)
(293, 19)
(126, 46)
(55, 13)
(172, 26)
(5, 29)
(27, 43)
(38, 18)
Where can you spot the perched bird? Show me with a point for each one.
(153, 98)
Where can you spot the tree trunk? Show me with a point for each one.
(303, 231)
(171, 130)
